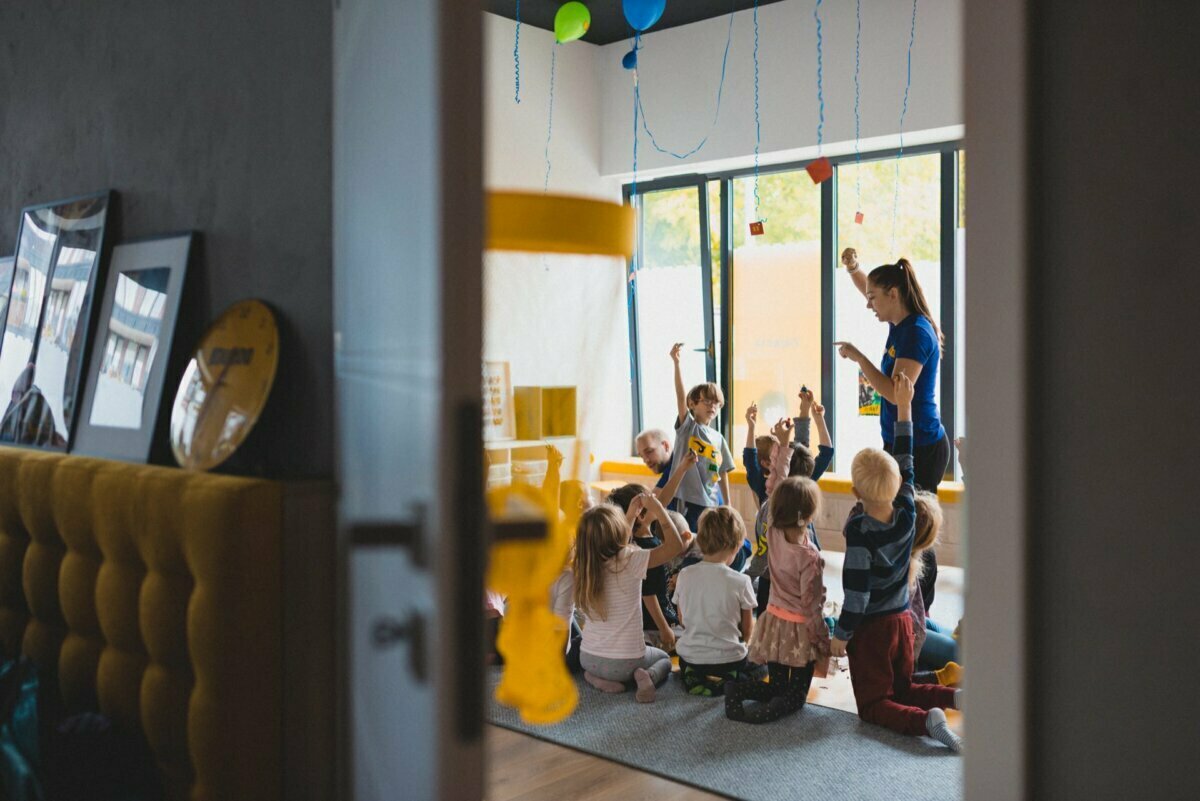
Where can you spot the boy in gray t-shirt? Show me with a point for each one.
(706, 484)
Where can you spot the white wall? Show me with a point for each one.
(559, 320)
(680, 70)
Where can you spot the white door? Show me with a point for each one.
(407, 164)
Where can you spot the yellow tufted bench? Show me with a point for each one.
(156, 596)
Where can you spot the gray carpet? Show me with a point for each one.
(817, 753)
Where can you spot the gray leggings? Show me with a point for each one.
(656, 662)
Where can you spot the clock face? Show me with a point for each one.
(225, 386)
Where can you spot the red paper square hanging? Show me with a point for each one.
(820, 170)
(756, 228)
(858, 217)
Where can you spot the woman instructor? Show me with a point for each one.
(914, 347)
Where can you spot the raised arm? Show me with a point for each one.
(781, 462)
(667, 493)
(672, 543)
(825, 443)
(751, 419)
(680, 395)
(850, 260)
(803, 421)
(818, 415)
(903, 444)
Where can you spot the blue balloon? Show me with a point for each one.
(629, 62)
(642, 14)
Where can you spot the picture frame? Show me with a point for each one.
(122, 409)
(499, 422)
(6, 279)
(59, 260)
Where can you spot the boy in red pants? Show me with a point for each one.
(875, 629)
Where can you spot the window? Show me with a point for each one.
(917, 238)
(772, 305)
(670, 300)
(776, 321)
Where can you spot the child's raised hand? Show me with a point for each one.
(690, 459)
(806, 400)
(783, 429)
(904, 389)
(752, 414)
(850, 258)
(818, 410)
(675, 349)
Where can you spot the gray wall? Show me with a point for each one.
(211, 115)
(1112, 400)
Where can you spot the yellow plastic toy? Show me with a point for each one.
(532, 639)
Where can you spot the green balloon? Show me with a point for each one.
(571, 22)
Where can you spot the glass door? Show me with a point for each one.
(672, 299)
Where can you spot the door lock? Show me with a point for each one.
(388, 631)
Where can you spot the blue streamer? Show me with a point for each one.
(637, 104)
(912, 36)
(716, 113)
(820, 80)
(757, 118)
(857, 96)
(517, 55)
(550, 118)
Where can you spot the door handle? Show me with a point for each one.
(388, 631)
(405, 534)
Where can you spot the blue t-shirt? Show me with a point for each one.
(914, 338)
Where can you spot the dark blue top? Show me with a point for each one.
(875, 565)
(914, 338)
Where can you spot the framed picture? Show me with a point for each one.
(498, 420)
(6, 275)
(49, 310)
(122, 398)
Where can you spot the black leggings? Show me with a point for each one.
(929, 468)
(785, 695)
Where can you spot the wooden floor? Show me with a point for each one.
(523, 768)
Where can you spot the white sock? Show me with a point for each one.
(938, 729)
(958, 699)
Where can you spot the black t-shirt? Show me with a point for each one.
(655, 584)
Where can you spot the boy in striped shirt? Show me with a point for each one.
(875, 629)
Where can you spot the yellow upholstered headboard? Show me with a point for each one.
(155, 596)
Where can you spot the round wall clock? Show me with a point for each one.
(225, 386)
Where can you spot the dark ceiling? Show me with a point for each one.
(608, 21)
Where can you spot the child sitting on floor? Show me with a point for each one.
(791, 637)
(715, 605)
(933, 650)
(608, 570)
(875, 628)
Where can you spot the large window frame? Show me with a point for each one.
(948, 400)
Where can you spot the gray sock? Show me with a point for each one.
(936, 725)
(958, 699)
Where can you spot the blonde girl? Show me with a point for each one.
(791, 637)
(609, 569)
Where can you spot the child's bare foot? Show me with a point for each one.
(604, 685)
(645, 686)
